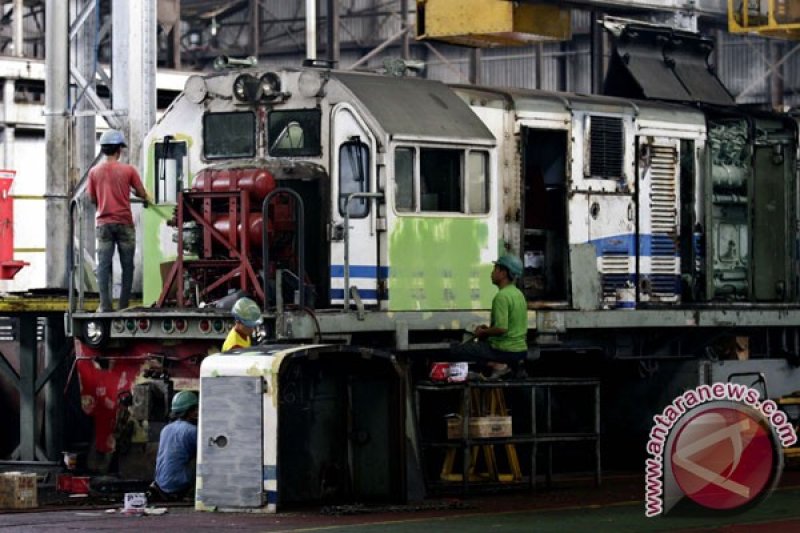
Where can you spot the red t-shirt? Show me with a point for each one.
(110, 185)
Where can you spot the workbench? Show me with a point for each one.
(529, 433)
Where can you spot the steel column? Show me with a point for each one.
(56, 142)
(56, 351)
(27, 388)
(597, 53)
(406, 50)
(475, 66)
(255, 28)
(19, 32)
(9, 116)
(333, 31)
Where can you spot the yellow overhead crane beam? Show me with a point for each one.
(769, 18)
(488, 23)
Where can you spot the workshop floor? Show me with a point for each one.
(572, 505)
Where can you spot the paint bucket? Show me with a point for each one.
(626, 298)
(440, 371)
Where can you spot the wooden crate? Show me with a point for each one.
(480, 427)
(18, 490)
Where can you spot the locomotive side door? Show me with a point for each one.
(354, 242)
(658, 254)
(602, 212)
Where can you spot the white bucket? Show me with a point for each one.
(626, 298)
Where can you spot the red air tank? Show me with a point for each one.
(258, 182)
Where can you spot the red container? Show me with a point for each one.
(72, 484)
(440, 371)
(6, 218)
(80, 485)
(8, 267)
(64, 482)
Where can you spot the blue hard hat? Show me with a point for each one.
(112, 137)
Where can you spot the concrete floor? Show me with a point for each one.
(576, 506)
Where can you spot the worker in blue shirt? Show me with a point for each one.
(177, 447)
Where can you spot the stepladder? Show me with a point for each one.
(479, 456)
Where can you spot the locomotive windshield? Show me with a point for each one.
(294, 132)
(229, 135)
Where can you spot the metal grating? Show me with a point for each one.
(606, 137)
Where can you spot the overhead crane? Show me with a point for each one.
(768, 18)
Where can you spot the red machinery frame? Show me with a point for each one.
(237, 244)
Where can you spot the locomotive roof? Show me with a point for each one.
(415, 107)
(537, 100)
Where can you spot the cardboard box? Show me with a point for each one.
(480, 427)
(18, 490)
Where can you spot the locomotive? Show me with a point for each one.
(366, 210)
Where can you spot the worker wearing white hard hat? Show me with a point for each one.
(109, 187)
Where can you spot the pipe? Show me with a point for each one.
(333, 32)
(311, 29)
(301, 248)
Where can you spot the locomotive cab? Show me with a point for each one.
(323, 189)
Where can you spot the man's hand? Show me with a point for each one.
(482, 331)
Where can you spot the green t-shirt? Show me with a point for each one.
(510, 312)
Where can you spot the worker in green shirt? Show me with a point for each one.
(502, 343)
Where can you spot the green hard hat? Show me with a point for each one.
(512, 264)
(183, 401)
(247, 312)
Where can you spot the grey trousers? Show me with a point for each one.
(123, 236)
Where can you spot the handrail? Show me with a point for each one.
(76, 205)
(301, 249)
(75, 211)
(350, 197)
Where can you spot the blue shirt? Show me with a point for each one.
(177, 446)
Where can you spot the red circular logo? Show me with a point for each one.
(723, 458)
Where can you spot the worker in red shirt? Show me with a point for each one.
(109, 188)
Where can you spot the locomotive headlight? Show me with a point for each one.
(95, 332)
(246, 88)
(310, 83)
(270, 86)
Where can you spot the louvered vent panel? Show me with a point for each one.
(615, 272)
(606, 148)
(664, 220)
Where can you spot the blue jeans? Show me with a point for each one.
(124, 237)
(481, 352)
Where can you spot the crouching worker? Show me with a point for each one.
(177, 449)
(502, 343)
(248, 317)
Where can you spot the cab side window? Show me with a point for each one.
(353, 177)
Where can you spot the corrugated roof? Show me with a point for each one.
(415, 107)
